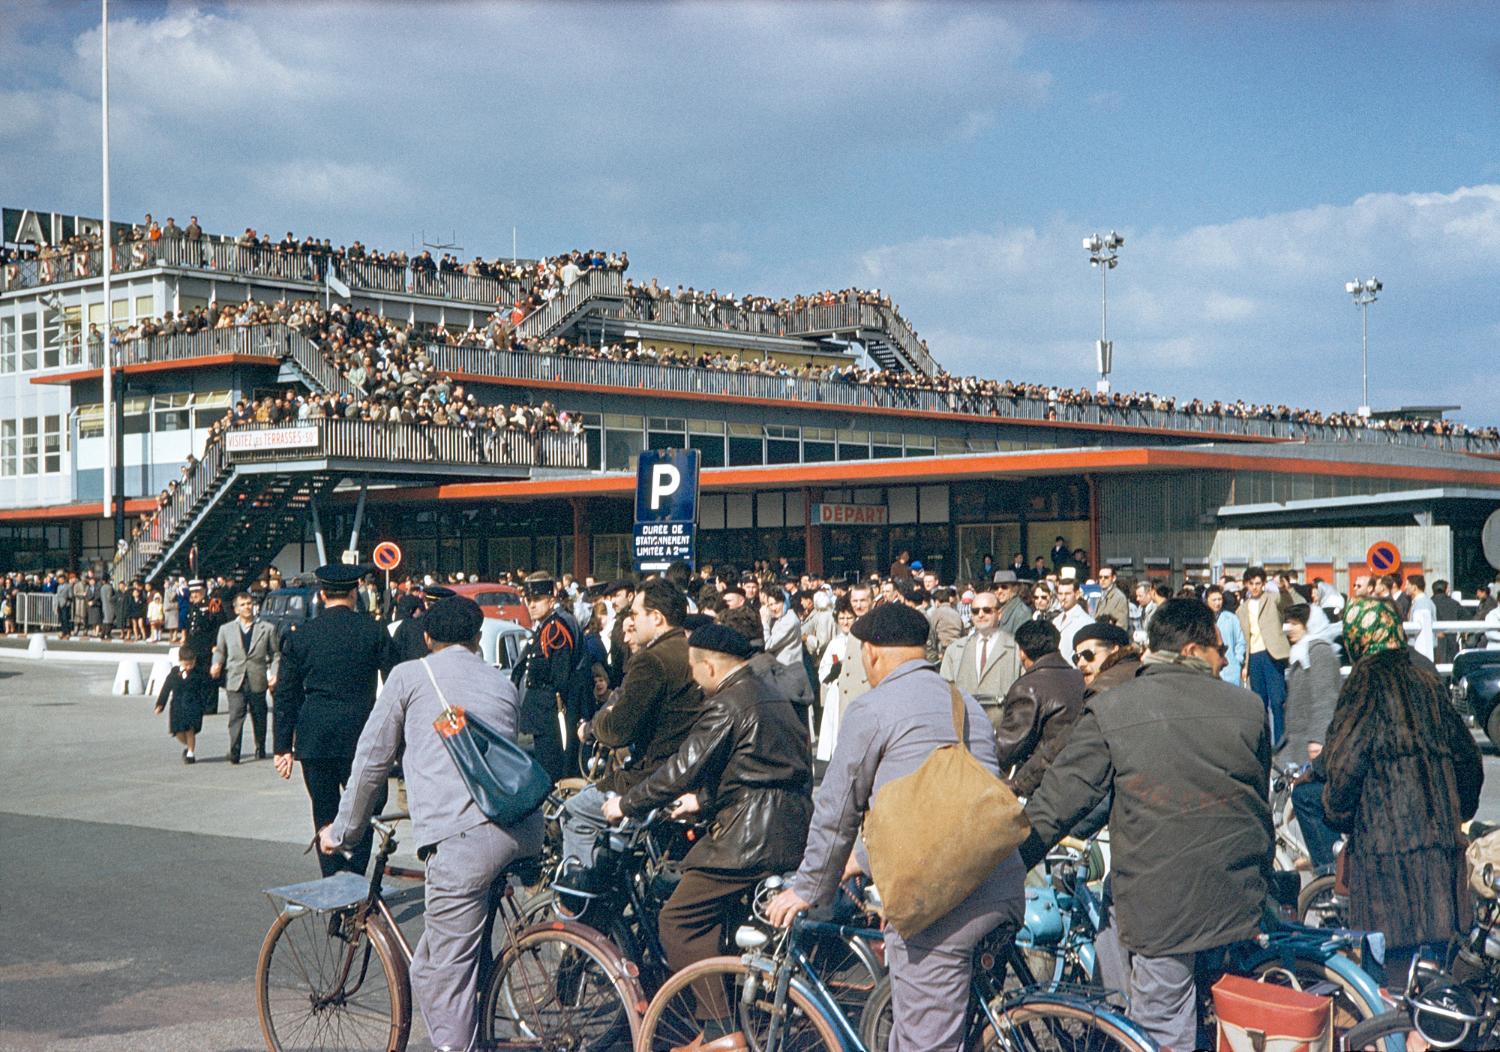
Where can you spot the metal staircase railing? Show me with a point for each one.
(552, 316)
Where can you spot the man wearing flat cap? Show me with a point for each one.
(325, 690)
(746, 767)
(463, 849)
(888, 733)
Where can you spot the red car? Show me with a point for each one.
(501, 601)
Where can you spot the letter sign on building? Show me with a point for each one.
(850, 515)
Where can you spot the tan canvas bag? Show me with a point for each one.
(938, 833)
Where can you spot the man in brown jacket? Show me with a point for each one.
(657, 705)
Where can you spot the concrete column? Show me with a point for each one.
(581, 536)
(812, 535)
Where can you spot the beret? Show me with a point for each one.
(1110, 635)
(456, 619)
(437, 591)
(892, 625)
(723, 640)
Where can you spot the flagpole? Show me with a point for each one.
(107, 363)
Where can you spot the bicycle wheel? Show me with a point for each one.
(1315, 976)
(741, 993)
(1318, 906)
(556, 989)
(1041, 1024)
(323, 983)
(1372, 1033)
(849, 967)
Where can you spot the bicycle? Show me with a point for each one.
(1457, 1006)
(774, 994)
(333, 971)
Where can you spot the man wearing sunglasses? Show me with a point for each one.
(985, 663)
(1014, 610)
(1113, 603)
(1098, 650)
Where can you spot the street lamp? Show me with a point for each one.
(1364, 293)
(1104, 254)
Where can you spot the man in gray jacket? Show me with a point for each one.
(1187, 758)
(887, 733)
(247, 653)
(463, 849)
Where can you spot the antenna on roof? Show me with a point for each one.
(442, 246)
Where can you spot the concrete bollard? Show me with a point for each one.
(128, 678)
(160, 668)
(36, 646)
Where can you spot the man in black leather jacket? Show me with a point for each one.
(746, 766)
(1039, 709)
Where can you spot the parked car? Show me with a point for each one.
(502, 601)
(1476, 688)
(289, 606)
(502, 643)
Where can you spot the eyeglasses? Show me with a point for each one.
(1041, 595)
(984, 609)
(1084, 655)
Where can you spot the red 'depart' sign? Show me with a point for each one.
(850, 515)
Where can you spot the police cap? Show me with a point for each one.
(892, 625)
(624, 584)
(338, 579)
(722, 640)
(540, 585)
(432, 592)
(454, 619)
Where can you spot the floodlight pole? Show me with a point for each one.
(106, 254)
(1364, 293)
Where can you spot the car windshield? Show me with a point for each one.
(497, 599)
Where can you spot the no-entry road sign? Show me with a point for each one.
(1383, 557)
(387, 556)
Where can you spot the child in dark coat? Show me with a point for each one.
(187, 694)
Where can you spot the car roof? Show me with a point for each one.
(473, 589)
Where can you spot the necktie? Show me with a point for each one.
(984, 653)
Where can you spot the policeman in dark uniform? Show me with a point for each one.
(409, 640)
(324, 694)
(550, 708)
(201, 630)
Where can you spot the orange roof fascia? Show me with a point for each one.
(139, 506)
(927, 469)
(201, 362)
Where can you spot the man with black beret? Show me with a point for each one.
(746, 767)
(408, 640)
(887, 733)
(325, 690)
(463, 849)
(1103, 653)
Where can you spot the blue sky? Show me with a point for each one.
(1256, 156)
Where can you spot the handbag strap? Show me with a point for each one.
(447, 709)
(960, 717)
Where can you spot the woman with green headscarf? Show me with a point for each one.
(1403, 773)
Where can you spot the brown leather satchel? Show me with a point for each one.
(938, 833)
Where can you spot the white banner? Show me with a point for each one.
(273, 438)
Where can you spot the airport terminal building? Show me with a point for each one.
(834, 474)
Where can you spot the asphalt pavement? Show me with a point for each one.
(130, 883)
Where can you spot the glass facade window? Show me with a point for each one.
(746, 445)
(920, 446)
(710, 450)
(90, 421)
(621, 449)
(885, 444)
(137, 419)
(30, 446)
(10, 464)
(172, 412)
(854, 445)
(209, 408)
(29, 337)
(8, 345)
(52, 444)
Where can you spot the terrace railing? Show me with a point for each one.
(660, 378)
(229, 258)
(390, 446)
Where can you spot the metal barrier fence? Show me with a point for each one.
(37, 610)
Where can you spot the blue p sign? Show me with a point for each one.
(666, 488)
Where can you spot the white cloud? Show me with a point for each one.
(1251, 308)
